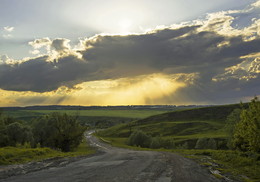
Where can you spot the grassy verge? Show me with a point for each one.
(239, 165)
(15, 155)
(234, 164)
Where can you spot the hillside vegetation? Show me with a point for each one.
(182, 126)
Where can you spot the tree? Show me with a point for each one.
(60, 131)
(18, 134)
(247, 131)
(14, 132)
(232, 119)
(3, 134)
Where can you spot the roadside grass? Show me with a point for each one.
(233, 164)
(241, 165)
(18, 155)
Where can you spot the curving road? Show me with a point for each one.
(122, 165)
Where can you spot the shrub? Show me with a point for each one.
(212, 144)
(140, 139)
(201, 143)
(168, 143)
(185, 145)
(155, 143)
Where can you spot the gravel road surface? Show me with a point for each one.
(113, 164)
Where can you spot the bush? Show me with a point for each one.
(185, 145)
(205, 143)
(201, 143)
(168, 143)
(140, 139)
(156, 143)
(212, 144)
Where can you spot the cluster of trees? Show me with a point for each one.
(140, 139)
(13, 132)
(58, 131)
(245, 133)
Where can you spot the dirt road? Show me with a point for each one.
(121, 165)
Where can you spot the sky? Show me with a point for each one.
(118, 52)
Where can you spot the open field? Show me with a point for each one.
(107, 113)
(101, 118)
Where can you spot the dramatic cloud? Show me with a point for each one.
(135, 90)
(209, 61)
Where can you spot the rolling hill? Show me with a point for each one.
(182, 126)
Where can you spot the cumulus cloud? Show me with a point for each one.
(3, 58)
(39, 43)
(61, 45)
(256, 4)
(55, 48)
(7, 32)
(212, 58)
(9, 29)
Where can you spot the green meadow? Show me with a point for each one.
(106, 113)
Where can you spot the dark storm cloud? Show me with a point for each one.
(40, 76)
(169, 51)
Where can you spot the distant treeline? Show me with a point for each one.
(139, 107)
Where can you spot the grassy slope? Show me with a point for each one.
(185, 125)
(17, 155)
